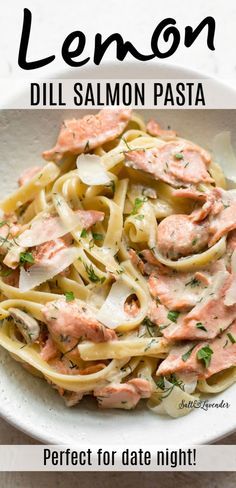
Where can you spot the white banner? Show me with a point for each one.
(64, 458)
(97, 94)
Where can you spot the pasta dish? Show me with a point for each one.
(118, 266)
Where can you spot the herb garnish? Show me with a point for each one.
(6, 272)
(160, 383)
(231, 338)
(188, 353)
(173, 316)
(194, 241)
(112, 186)
(72, 349)
(126, 143)
(72, 365)
(92, 275)
(193, 282)
(204, 354)
(199, 325)
(138, 202)
(179, 156)
(26, 257)
(69, 296)
(149, 325)
(149, 345)
(64, 338)
(83, 233)
(97, 237)
(86, 147)
(168, 389)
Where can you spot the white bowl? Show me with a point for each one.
(29, 403)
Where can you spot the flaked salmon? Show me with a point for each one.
(77, 320)
(224, 220)
(176, 163)
(178, 291)
(49, 350)
(215, 356)
(209, 200)
(179, 236)
(124, 395)
(83, 135)
(43, 253)
(210, 316)
(181, 291)
(154, 129)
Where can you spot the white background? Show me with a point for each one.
(135, 20)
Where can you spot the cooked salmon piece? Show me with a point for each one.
(181, 291)
(157, 313)
(28, 174)
(77, 320)
(219, 207)
(146, 262)
(154, 129)
(191, 167)
(149, 161)
(11, 277)
(131, 308)
(43, 253)
(179, 236)
(207, 198)
(49, 350)
(210, 316)
(83, 135)
(225, 220)
(143, 387)
(176, 163)
(136, 260)
(151, 264)
(222, 356)
(63, 366)
(123, 395)
(169, 322)
(90, 217)
(178, 291)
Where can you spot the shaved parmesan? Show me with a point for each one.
(46, 228)
(91, 170)
(224, 155)
(112, 313)
(39, 273)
